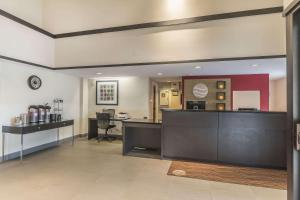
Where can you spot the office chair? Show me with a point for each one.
(103, 122)
(111, 112)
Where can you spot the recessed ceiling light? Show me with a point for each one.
(198, 67)
(159, 74)
(254, 65)
(99, 73)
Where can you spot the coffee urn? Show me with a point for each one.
(33, 113)
(42, 113)
(47, 113)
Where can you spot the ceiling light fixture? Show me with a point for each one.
(254, 65)
(198, 67)
(99, 73)
(175, 5)
(159, 74)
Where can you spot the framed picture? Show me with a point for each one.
(107, 92)
(221, 96)
(220, 106)
(164, 98)
(221, 85)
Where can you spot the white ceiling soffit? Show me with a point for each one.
(275, 67)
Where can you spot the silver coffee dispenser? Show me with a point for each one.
(33, 113)
(47, 113)
(42, 113)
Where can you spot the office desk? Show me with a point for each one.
(93, 128)
(32, 128)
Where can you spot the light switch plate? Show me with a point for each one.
(298, 137)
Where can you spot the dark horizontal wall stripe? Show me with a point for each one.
(175, 22)
(24, 62)
(27, 24)
(172, 62)
(144, 63)
(293, 6)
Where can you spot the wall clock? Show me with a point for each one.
(200, 90)
(34, 82)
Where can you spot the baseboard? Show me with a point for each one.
(83, 135)
(118, 137)
(35, 149)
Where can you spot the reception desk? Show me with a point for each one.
(244, 138)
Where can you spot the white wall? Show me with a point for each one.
(84, 105)
(247, 36)
(134, 97)
(16, 96)
(18, 41)
(272, 97)
(75, 15)
(278, 95)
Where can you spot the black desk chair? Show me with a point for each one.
(111, 112)
(103, 122)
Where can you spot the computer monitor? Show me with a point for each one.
(195, 105)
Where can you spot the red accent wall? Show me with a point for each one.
(245, 82)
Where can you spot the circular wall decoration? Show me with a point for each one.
(200, 90)
(34, 82)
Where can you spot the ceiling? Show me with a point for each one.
(275, 67)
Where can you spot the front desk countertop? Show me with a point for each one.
(142, 121)
(224, 111)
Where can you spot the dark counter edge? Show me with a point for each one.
(143, 121)
(225, 111)
(139, 121)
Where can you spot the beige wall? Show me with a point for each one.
(134, 97)
(278, 95)
(76, 15)
(286, 3)
(248, 36)
(212, 90)
(28, 10)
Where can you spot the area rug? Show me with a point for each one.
(269, 178)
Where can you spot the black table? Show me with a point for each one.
(32, 128)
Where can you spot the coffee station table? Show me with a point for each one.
(33, 128)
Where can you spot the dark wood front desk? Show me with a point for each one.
(244, 138)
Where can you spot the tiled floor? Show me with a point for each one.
(91, 171)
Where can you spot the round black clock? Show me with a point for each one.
(34, 82)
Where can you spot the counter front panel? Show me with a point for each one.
(244, 138)
(253, 139)
(190, 135)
